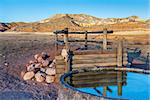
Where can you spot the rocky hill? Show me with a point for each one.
(80, 22)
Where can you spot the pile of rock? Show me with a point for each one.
(41, 69)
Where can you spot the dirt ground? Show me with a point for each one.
(16, 50)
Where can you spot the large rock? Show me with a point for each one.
(28, 75)
(50, 71)
(40, 76)
(50, 79)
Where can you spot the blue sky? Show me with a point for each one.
(35, 10)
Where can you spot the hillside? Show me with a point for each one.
(80, 22)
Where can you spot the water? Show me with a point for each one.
(127, 85)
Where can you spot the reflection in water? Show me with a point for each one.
(111, 84)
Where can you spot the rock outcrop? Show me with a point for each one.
(4, 27)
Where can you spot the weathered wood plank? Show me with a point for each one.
(91, 56)
(96, 64)
(82, 66)
(89, 61)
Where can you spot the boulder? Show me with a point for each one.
(50, 79)
(28, 75)
(40, 76)
(50, 71)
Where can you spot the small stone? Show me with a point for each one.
(6, 64)
(45, 63)
(39, 59)
(31, 67)
(54, 61)
(43, 70)
(44, 55)
(50, 79)
(64, 54)
(40, 77)
(51, 65)
(32, 62)
(28, 75)
(38, 65)
(22, 73)
(50, 71)
(36, 56)
(36, 70)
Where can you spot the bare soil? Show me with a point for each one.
(16, 51)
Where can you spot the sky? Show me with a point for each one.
(35, 10)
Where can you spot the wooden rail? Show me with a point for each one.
(65, 32)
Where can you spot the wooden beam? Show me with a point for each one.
(92, 32)
(92, 56)
(119, 80)
(104, 91)
(84, 66)
(105, 39)
(56, 44)
(120, 53)
(86, 38)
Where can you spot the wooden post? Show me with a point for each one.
(105, 39)
(104, 90)
(86, 36)
(56, 44)
(66, 38)
(120, 53)
(119, 82)
(67, 68)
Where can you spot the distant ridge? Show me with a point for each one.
(79, 22)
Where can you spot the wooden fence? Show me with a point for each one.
(89, 58)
